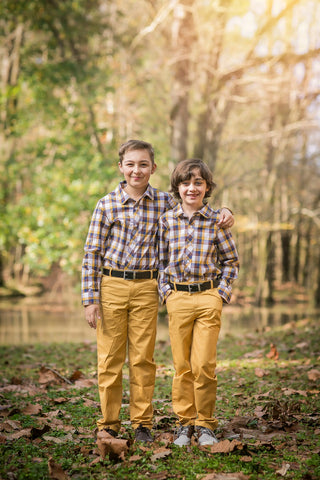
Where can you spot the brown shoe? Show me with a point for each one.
(143, 434)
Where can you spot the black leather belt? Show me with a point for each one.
(195, 287)
(130, 274)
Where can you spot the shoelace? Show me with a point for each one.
(183, 431)
(203, 430)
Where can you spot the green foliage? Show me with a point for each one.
(283, 436)
(55, 173)
(80, 76)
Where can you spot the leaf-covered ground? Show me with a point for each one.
(268, 407)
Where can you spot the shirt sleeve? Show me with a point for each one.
(94, 253)
(172, 201)
(228, 262)
(163, 278)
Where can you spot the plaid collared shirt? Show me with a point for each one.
(122, 236)
(195, 250)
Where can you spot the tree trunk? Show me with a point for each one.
(317, 291)
(297, 252)
(183, 36)
(285, 250)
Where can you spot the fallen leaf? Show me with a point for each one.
(259, 372)
(32, 409)
(225, 476)
(314, 375)
(159, 476)
(95, 461)
(58, 440)
(226, 446)
(76, 375)
(26, 432)
(160, 453)
(55, 471)
(283, 470)
(262, 395)
(60, 400)
(302, 345)
(254, 354)
(165, 437)
(291, 391)
(259, 411)
(48, 376)
(116, 448)
(91, 403)
(273, 354)
(37, 459)
(246, 458)
(134, 458)
(85, 383)
(10, 425)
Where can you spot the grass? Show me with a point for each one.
(268, 405)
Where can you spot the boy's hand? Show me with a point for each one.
(92, 313)
(226, 218)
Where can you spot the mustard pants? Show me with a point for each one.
(194, 325)
(129, 317)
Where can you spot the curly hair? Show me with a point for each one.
(184, 170)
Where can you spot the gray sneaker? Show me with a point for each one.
(183, 435)
(206, 436)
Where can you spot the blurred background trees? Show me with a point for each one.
(235, 82)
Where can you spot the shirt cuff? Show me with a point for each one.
(225, 291)
(164, 292)
(90, 298)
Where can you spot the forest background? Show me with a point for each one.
(234, 82)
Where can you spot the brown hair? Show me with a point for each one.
(184, 171)
(135, 145)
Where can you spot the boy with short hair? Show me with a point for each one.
(198, 262)
(119, 287)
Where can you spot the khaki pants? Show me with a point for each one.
(129, 316)
(194, 325)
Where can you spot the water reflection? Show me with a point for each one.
(22, 323)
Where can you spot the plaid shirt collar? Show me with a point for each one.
(206, 211)
(124, 197)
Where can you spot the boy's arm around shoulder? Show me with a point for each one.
(163, 280)
(226, 219)
(228, 259)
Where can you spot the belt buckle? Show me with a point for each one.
(126, 275)
(193, 287)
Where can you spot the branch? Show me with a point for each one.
(291, 127)
(287, 57)
(158, 19)
(269, 24)
(308, 213)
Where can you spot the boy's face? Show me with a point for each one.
(192, 191)
(137, 167)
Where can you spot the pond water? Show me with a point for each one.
(31, 321)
